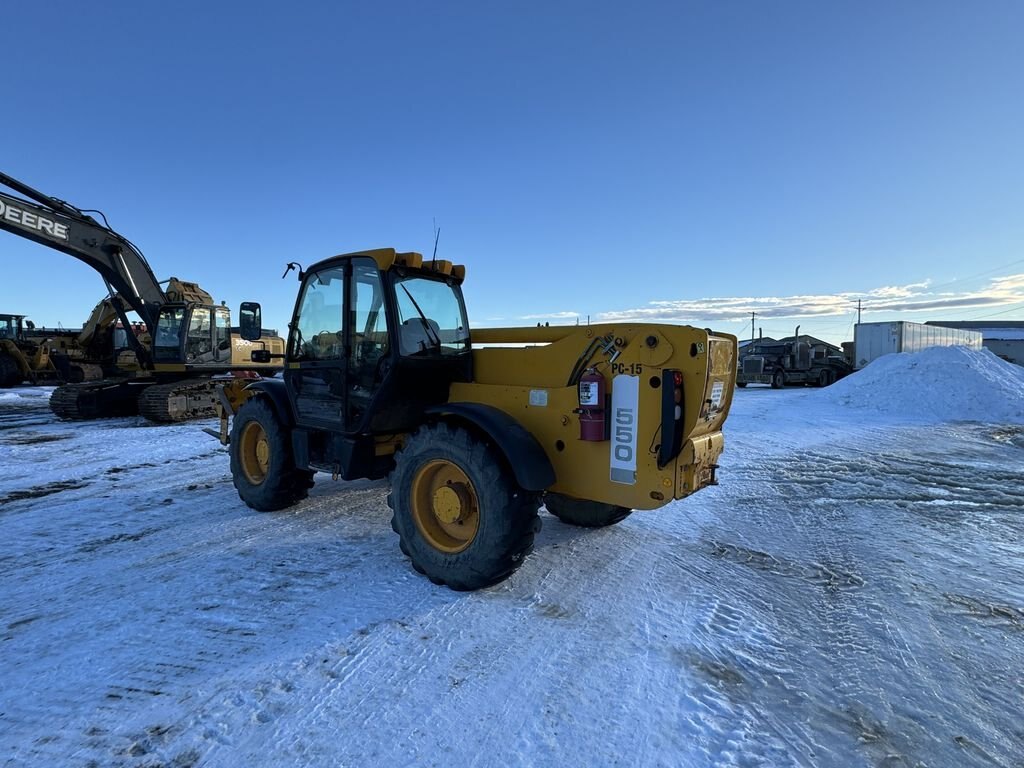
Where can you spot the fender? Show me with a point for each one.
(530, 464)
(278, 396)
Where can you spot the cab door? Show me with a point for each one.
(317, 356)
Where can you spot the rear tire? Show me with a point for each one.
(262, 464)
(10, 374)
(460, 516)
(778, 380)
(587, 514)
(741, 384)
(825, 378)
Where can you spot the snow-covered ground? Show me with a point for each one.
(851, 594)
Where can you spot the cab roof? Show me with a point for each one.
(387, 258)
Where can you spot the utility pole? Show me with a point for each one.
(752, 316)
(858, 311)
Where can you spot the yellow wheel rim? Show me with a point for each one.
(445, 506)
(254, 453)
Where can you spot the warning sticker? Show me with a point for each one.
(588, 393)
(716, 394)
(539, 397)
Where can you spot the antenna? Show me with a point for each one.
(437, 236)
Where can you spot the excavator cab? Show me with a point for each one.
(10, 327)
(194, 335)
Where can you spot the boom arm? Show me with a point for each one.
(63, 227)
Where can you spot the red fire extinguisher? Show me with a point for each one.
(591, 410)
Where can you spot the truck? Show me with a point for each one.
(872, 340)
(797, 360)
(474, 428)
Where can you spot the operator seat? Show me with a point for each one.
(417, 334)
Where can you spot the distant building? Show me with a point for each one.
(1004, 338)
(747, 342)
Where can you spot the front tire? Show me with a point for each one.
(778, 380)
(587, 514)
(825, 378)
(459, 513)
(741, 384)
(262, 464)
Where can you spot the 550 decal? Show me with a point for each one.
(625, 413)
(624, 434)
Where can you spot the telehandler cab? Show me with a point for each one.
(383, 378)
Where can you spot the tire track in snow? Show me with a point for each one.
(232, 637)
(135, 667)
(830, 517)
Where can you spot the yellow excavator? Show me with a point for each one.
(40, 355)
(384, 378)
(183, 343)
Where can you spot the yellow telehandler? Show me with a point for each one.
(383, 377)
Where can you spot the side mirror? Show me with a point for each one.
(250, 321)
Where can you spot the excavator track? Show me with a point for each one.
(97, 399)
(179, 401)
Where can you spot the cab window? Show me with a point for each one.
(369, 319)
(369, 336)
(222, 334)
(317, 333)
(167, 343)
(199, 342)
(432, 317)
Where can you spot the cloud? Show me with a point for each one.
(565, 315)
(1009, 283)
(913, 297)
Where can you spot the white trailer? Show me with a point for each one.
(872, 340)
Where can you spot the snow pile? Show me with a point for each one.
(937, 384)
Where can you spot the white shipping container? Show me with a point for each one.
(872, 340)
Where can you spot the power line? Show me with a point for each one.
(1004, 312)
(980, 274)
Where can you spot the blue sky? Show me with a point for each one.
(680, 161)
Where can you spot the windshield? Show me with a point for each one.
(774, 349)
(431, 316)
